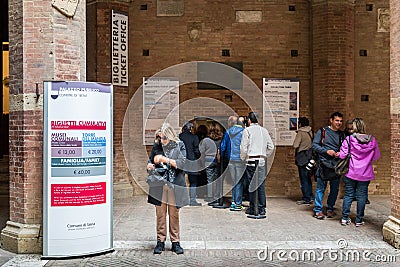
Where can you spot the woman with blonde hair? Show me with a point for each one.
(363, 149)
(171, 196)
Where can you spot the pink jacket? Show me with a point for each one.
(364, 149)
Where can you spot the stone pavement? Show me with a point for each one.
(290, 236)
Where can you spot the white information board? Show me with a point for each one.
(77, 169)
(119, 48)
(281, 100)
(160, 104)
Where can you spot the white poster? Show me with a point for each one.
(281, 100)
(77, 169)
(119, 48)
(160, 104)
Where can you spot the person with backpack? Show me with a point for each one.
(326, 144)
(303, 154)
(363, 149)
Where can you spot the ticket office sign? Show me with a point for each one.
(77, 171)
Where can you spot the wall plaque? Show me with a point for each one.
(248, 16)
(170, 8)
(383, 20)
(194, 30)
(66, 7)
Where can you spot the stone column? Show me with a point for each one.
(391, 229)
(332, 59)
(47, 42)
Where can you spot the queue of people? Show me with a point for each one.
(244, 148)
(329, 145)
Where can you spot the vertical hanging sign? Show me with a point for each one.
(119, 48)
(77, 169)
(281, 101)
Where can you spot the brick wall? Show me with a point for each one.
(395, 98)
(26, 131)
(326, 33)
(372, 80)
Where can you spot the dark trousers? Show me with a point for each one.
(256, 183)
(305, 183)
(193, 180)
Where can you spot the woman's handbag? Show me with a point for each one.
(157, 177)
(342, 167)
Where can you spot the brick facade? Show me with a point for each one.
(327, 34)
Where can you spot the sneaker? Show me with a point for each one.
(160, 247)
(359, 224)
(346, 221)
(330, 214)
(262, 212)
(176, 247)
(319, 215)
(238, 208)
(249, 211)
(213, 203)
(303, 202)
(195, 204)
(232, 207)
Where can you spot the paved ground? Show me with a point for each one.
(290, 236)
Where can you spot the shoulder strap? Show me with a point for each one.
(311, 136)
(349, 145)
(342, 136)
(322, 136)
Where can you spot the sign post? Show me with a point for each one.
(77, 169)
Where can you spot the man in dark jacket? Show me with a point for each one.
(191, 142)
(326, 143)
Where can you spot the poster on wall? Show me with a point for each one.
(77, 169)
(160, 104)
(281, 100)
(119, 48)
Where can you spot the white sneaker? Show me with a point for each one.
(346, 222)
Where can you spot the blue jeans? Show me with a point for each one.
(353, 189)
(320, 191)
(236, 169)
(256, 185)
(305, 183)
